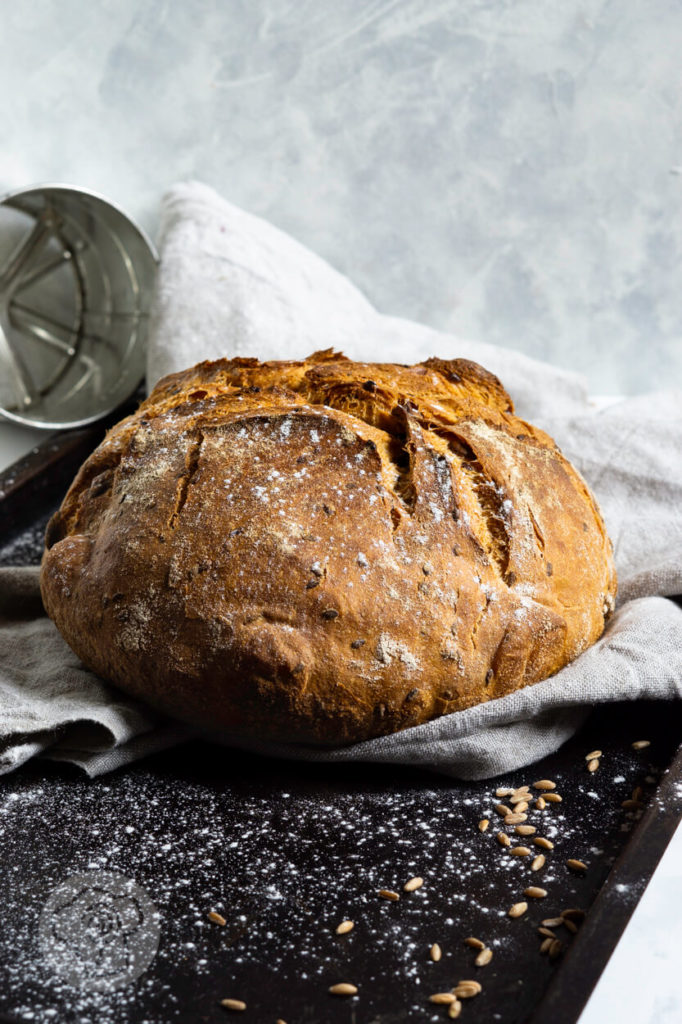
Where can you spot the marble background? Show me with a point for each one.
(504, 169)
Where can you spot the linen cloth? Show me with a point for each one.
(232, 284)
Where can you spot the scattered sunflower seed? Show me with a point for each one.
(518, 910)
(546, 943)
(593, 755)
(538, 862)
(413, 884)
(535, 892)
(483, 824)
(571, 925)
(520, 851)
(474, 943)
(593, 764)
(343, 988)
(546, 931)
(467, 989)
(501, 793)
(540, 803)
(576, 865)
(442, 998)
(435, 952)
(503, 839)
(503, 810)
(525, 830)
(515, 819)
(233, 1004)
(555, 949)
(388, 894)
(217, 918)
(345, 927)
(637, 793)
(553, 798)
(454, 1009)
(544, 784)
(641, 744)
(573, 914)
(484, 957)
(552, 922)
(631, 805)
(546, 844)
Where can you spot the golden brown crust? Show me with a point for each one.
(325, 551)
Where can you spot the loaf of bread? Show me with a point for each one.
(326, 551)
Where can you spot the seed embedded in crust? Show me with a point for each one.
(484, 957)
(454, 1009)
(413, 884)
(343, 988)
(345, 927)
(538, 862)
(503, 810)
(553, 798)
(641, 744)
(520, 851)
(233, 1004)
(546, 931)
(546, 943)
(593, 755)
(593, 764)
(503, 839)
(546, 844)
(217, 918)
(518, 909)
(555, 949)
(388, 894)
(483, 824)
(442, 998)
(467, 989)
(525, 830)
(540, 803)
(576, 865)
(544, 784)
(474, 943)
(535, 892)
(435, 952)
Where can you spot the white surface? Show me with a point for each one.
(510, 172)
(641, 982)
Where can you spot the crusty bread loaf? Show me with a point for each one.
(326, 551)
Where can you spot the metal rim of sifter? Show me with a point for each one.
(75, 292)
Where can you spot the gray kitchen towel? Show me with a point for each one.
(232, 284)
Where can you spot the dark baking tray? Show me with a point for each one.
(285, 853)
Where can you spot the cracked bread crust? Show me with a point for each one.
(326, 551)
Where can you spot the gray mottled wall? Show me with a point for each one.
(509, 170)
